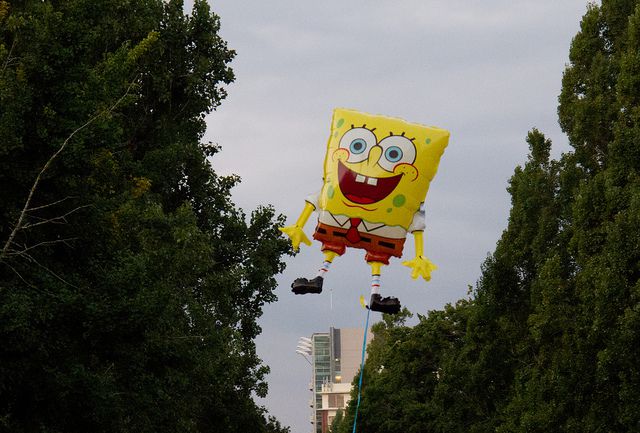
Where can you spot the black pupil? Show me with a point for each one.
(393, 154)
(357, 145)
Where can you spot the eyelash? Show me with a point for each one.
(391, 134)
(364, 125)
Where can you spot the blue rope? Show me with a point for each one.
(364, 348)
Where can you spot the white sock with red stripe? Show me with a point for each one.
(324, 268)
(375, 284)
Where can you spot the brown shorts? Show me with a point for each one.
(378, 248)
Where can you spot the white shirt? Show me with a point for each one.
(378, 229)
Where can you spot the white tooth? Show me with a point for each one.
(372, 181)
(360, 178)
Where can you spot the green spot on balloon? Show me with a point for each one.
(399, 200)
(389, 210)
(330, 191)
(428, 140)
(340, 123)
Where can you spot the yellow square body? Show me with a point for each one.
(379, 168)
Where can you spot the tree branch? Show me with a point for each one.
(54, 219)
(49, 205)
(32, 259)
(12, 252)
(19, 276)
(6, 62)
(19, 225)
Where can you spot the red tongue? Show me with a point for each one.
(359, 199)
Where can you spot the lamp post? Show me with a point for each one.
(305, 349)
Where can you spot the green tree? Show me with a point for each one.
(550, 341)
(336, 421)
(585, 328)
(130, 284)
(583, 346)
(403, 369)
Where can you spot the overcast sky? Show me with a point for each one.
(488, 71)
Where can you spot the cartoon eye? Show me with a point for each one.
(393, 154)
(396, 149)
(358, 141)
(357, 146)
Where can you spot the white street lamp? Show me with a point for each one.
(305, 348)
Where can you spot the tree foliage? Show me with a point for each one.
(130, 284)
(550, 339)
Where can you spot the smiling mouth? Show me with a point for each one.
(363, 189)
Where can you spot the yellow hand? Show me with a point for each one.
(296, 234)
(421, 266)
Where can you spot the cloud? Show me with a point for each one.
(487, 70)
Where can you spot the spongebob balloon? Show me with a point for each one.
(377, 172)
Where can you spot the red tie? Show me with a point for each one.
(352, 234)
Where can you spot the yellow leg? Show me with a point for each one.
(376, 267)
(375, 276)
(328, 258)
(330, 255)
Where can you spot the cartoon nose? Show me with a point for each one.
(374, 155)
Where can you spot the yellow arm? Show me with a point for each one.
(295, 232)
(420, 265)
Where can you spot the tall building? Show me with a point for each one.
(335, 360)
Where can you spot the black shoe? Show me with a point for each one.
(302, 286)
(384, 305)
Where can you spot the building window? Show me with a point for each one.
(336, 400)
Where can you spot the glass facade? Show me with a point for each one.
(322, 371)
(336, 357)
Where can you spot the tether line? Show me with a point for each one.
(364, 348)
